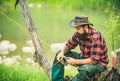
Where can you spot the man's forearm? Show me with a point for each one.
(83, 61)
(65, 49)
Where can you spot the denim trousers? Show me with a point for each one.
(85, 71)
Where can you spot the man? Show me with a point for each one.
(93, 57)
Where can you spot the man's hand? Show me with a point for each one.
(60, 56)
(71, 61)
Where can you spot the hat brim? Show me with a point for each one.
(73, 25)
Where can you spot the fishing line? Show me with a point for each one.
(25, 30)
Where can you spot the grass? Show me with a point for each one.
(21, 73)
(27, 72)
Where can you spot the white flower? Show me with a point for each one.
(29, 60)
(12, 47)
(17, 57)
(9, 61)
(39, 5)
(29, 42)
(4, 45)
(4, 52)
(28, 49)
(31, 5)
(57, 46)
(5, 42)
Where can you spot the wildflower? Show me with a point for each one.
(12, 47)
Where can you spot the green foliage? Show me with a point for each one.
(3, 1)
(76, 4)
(112, 25)
(6, 1)
(21, 73)
(83, 4)
(113, 3)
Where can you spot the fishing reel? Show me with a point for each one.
(64, 62)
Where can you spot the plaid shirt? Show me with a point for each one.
(93, 47)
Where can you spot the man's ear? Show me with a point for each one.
(86, 26)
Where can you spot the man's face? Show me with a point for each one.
(79, 30)
(82, 32)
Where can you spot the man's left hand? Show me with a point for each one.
(71, 61)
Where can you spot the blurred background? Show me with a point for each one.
(51, 18)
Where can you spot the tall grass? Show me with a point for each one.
(28, 73)
(112, 26)
(21, 73)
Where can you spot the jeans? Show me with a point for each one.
(85, 72)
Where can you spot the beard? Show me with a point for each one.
(82, 36)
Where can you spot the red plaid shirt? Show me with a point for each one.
(94, 47)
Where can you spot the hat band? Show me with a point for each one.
(81, 21)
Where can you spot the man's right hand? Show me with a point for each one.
(60, 56)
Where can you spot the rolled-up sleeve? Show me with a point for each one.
(72, 42)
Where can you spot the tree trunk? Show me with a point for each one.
(42, 60)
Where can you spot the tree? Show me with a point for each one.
(39, 53)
